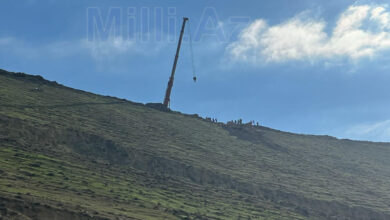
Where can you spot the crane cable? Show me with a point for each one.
(192, 52)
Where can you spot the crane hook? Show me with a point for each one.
(191, 52)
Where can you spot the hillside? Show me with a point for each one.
(70, 154)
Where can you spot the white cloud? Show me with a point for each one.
(250, 38)
(361, 31)
(5, 41)
(377, 131)
(98, 50)
(380, 15)
(118, 46)
(11, 45)
(109, 48)
(26, 50)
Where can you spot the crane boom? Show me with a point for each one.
(170, 82)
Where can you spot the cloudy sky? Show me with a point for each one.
(313, 67)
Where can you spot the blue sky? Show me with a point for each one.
(313, 67)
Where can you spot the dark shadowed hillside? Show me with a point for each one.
(69, 154)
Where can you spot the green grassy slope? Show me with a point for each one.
(75, 155)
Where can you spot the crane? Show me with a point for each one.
(172, 77)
